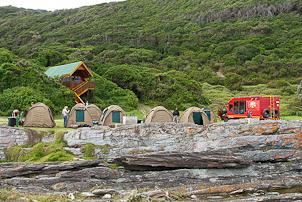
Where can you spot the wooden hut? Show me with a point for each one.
(76, 76)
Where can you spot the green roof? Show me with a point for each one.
(62, 70)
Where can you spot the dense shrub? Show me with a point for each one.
(171, 89)
(36, 87)
(233, 81)
(21, 98)
(6, 56)
(108, 93)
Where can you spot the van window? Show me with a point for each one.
(239, 107)
(231, 108)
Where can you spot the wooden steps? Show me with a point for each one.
(83, 88)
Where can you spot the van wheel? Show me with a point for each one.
(266, 113)
(277, 113)
(225, 119)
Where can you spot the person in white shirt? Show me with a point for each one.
(15, 113)
(65, 113)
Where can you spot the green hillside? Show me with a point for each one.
(173, 53)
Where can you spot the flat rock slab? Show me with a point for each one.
(177, 160)
(19, 169)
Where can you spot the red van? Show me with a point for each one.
(261, 107)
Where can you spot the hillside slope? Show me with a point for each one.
(229, 43)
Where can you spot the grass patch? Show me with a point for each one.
(113, 166)
(8, 195)
(41, 152)
(105, 148)
(292, 118)
(59, 126)
(15, 153)
(89, 151)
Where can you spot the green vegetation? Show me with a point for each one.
(40, 152)
(108, 93)
(171, 89)
(11, 195)
(89, 151)
(171, 53)
(59, 129)
(21, 84)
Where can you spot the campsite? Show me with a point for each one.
(151, 100)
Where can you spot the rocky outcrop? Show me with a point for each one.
(19, 136)
(90, 177)
(234, 161)
(256, 141)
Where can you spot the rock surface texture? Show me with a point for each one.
(18, 136)
(235, 161)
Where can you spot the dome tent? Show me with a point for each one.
(78, 116)
(39, 115)
(195, 115)
(94, 112)
(210, 114)
(111, 115)
(159, 115)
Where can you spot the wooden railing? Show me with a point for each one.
(81, 89)
(72, 84)
(84, 87)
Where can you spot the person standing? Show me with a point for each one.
(65, 113)
(176, 115)
(15, 113)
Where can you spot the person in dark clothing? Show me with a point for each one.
(176, 115)
(249, 115)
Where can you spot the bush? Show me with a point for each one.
(6, 56)
(45, 89)
(233, 81)
(284, 86)
(246, 52)
(108, 93)
(171, 89)
(20, 98)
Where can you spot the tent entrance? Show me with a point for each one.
(208, 113)
(80, 115)
(197, 118)
(116, 117)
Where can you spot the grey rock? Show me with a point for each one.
(87, 194)
(107, 196)
(101, 192)
(175, 160)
